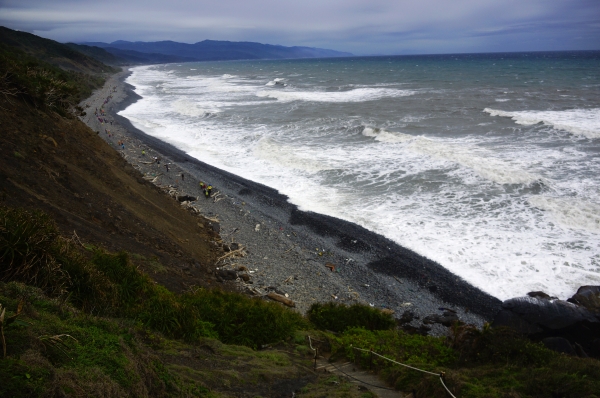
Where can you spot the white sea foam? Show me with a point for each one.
(188, 108)
(466, 194)
(584, 122)
(290, 158)
(571, 212)
(484, 164)
(357, 95)
(277, 82)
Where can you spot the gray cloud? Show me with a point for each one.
(358, 26)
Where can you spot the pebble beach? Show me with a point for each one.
(303, 256)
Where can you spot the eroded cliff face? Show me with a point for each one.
(62, 167)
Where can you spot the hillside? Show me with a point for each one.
(52, 52)
(109, 287)
(99, 54)
(213, 50)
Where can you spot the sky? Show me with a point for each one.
(362, 27)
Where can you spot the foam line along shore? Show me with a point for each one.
(486, 164)
(288, 249)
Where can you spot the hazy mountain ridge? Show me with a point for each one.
(116, 56)
(212, 50)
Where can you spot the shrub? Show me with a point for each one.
(339, 317)
(29, 243)
(131, 285)
(242, 320)
(498, 345)
(32, 251)
(42, 84)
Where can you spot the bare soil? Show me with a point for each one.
(62, 167)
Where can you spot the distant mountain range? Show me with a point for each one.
(93, 57)
(207, 50)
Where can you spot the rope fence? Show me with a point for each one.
(361, 381)
(441, 375)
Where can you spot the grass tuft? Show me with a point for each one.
(339, 317)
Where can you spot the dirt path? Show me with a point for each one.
(363, 378)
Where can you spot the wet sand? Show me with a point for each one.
(308, 256)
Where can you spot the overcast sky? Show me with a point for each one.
(359, 26)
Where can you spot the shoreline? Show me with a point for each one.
(288, 249)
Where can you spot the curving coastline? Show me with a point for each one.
(288, 248)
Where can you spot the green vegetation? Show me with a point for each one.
(488, 363)
(33, 252)
(42, 84)
(337, 317)
(98, 53)
(49, 51)
(93, 323)
(63, 349)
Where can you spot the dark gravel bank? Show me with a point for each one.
(308, 256)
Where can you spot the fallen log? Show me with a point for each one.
(281, 299)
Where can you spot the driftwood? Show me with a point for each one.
(75, 236)
(281, 299)
(151, 178)
(231, 233)
(213, 219)
(239, 252)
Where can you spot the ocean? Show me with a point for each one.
(488, 164)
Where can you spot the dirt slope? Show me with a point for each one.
(61, 166)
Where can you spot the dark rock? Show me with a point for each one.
(559, 344)
(186, 198)
(245, 277)
(541, 295)
(542, 318)
(447, 319)
(594, 348)
(588, 297)
(227, 274)
(215, 226)
(407, 317)
(509, 319)
(446, 309)
(580, 351)
(234, 246)
(555, 314)
(422, 330)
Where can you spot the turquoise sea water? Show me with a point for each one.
(488, 163)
